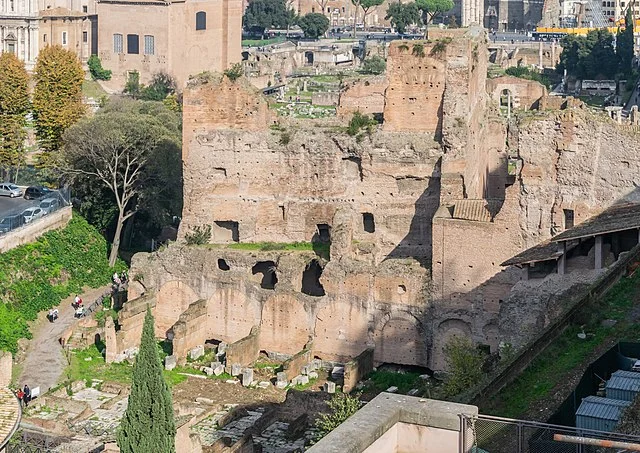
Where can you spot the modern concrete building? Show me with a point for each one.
(181, 37)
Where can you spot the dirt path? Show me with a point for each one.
(45, 361)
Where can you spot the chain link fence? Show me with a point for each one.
(28, 212)
(486, 434)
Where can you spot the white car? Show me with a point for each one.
(31, 214)
(10, 190)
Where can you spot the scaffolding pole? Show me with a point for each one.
(596, 442)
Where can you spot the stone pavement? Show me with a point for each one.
(9, 413)
(45, 359)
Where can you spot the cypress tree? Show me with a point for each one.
(148, 424)
(625, 42)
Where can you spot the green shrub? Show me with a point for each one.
(523, 72)
(464, 364)
(96, 70)
(234, 72)
(198, 235)
(418, 50)
(374, 65)
(37, 276)
(359, 122)
(342, 407)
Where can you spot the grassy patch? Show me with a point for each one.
(88, 364)
(382, 380)
(302, 387)
(568, 351)
(37, 276)
(263, 42)
(266, 246)
(92, 89)
(593, 101)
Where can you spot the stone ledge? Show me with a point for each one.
(378, 416)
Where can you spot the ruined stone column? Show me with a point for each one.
(110, 340)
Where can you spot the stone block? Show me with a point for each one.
(202, 400)
(247, 377)
(330, 387)
(313, 375)
(207, 370)
(196, 352)
(392, 389)
(218, 370)
(314, 365)
(337, 372)
(303, 380)
(119, 358)
(231, 381)
(281, 384)
(296, 380)
(131, 353)
(281, 376)
(170, 362)
(222, 348)
(304, 370)
(264, 384)
(413, 392)
(236, 369)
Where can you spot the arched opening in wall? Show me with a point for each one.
(222, 264)
(308, 58)
(323, 233)
(225, 231)
(268, 271)
(368, 222)
(311, 280)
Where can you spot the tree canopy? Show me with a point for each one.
(57, 97)
(367, 6)
(314, 25)
(589, 57)
(402, 15)
(430, 8)
(130, 153)
(14, 106)
(148, 424)
(625, 42)
(264, 14)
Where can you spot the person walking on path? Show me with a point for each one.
(27, 395)
(20, 395)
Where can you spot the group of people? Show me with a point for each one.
(53, 314)
(120, 279)
(78, 306)
(24, 395)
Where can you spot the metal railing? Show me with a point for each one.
(483, 433)
(14, 218)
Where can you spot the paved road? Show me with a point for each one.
(10, 206)
(45, 359)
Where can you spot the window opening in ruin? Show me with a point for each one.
(222, 265)
(268, 271)
(232, 231)
(368, 222)
(402, 289)
(323, 233)
(485, 349)
(282, 212)
(308, 57)
(201, 20)
(311, 280)
(568, 218)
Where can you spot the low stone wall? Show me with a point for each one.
(293, 366)
(244, 351)
(325, 98)
(35, 229)
(189, 331)
(131, 319)
(357, 369)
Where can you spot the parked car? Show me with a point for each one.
(636, 366)
(34, 192)
(49, 205)
(8, 189)
(11, 223)
(32, 213)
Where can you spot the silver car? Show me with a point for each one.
(10, 190)
(49, 205)
(31, 214)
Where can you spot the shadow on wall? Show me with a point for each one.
(417, 243)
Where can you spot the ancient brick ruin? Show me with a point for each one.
(418, 214)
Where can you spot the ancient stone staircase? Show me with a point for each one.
(10, 414)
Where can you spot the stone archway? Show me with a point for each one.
(446, 331)
(285, 326)
(231, 315)
(172, 299)
(341, 330)
(401, 339)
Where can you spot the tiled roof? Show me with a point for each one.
(542, 252)
(10, 414)
(616, 218)
(602, 408)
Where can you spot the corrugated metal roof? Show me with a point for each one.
(626, 374)
(477, 210)
(623, 383)
(602, 408)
